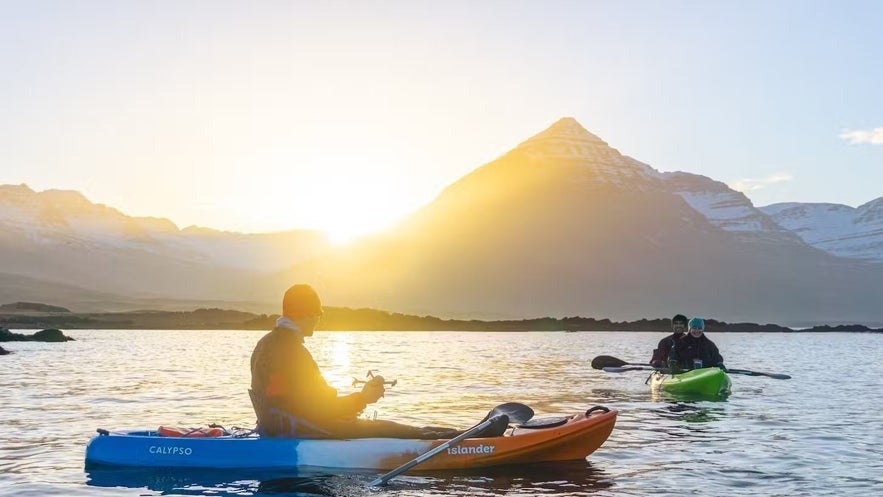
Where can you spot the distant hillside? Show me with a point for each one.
(32, 307)
(14, 287)
(346, 319)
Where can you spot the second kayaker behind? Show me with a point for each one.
(695, 350)
(290, 396)
(660, 353)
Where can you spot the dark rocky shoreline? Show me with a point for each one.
(346, 319)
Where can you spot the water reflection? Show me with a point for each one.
(691, 413)
(562, 478)
(612, 396)
(660, 396)
(170, 481)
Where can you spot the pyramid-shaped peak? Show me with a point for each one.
(567, 143)
(568, 139)
(566, 129)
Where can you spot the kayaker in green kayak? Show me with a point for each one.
(290, 396)
(660, 354)
(695, 350)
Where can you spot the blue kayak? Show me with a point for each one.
(573, 438)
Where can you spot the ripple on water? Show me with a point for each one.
(817, 434)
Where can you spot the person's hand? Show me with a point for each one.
(373, 390)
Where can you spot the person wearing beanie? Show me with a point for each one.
(695, 350)
(290, 396)
(661, 353)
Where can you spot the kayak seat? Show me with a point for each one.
(540, 423)
(173, 431)
(275, 422)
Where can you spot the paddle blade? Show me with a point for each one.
(777, 376)
(517, 413)
(607, 361)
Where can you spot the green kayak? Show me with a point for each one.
(705, 381)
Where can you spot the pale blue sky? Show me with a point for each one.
(260, 116)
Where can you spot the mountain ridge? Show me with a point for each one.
(35, 226)
(557, 232)
(841, 230)
(562, 224)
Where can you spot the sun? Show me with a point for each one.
(349, 215)
(349, 206)
(343, 235)
(333, 194)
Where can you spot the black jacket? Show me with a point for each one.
(660, 355)
(688, 348)
(285, 377)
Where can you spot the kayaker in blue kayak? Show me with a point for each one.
(695, 350)
(660, 354)
(290, 396)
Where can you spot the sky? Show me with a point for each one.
(346, 116)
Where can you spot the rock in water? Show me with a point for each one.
(50, 335)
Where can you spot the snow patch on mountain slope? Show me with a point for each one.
(724, 207)
(841, 230)
(67, 219)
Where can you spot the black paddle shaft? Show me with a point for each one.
(515, 412)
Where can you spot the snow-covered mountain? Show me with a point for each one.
(568, 141)
(64, 217)
(561, 225)
(58, 236)
(726, 208)
(565, 225)
(601, 164)
(844, 231)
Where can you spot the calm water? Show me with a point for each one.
(820, 433)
